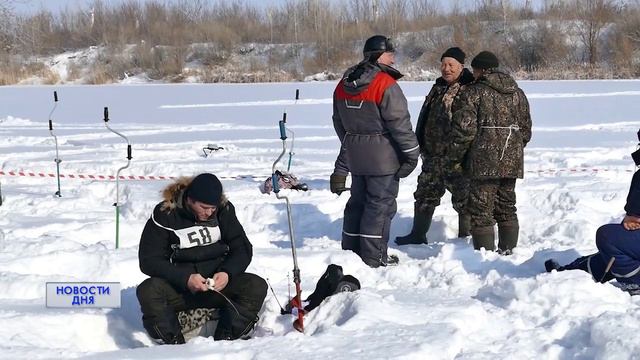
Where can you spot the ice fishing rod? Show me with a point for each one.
(57, 159)
(293, 135)
(298, 310)
(117, 203)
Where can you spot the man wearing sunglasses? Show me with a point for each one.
(378, 147)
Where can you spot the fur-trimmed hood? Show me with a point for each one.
(173, 194)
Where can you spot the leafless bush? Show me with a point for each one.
(159, 37)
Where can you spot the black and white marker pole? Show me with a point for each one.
(298, 324)
(57, 159)
(129, 157)
(293, 135)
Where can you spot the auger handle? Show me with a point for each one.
(283, 129)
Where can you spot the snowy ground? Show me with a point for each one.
(443, 301)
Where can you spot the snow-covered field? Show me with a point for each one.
(443, 301)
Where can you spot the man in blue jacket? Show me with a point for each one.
(618, 245)
(379, 147)
(193, 236)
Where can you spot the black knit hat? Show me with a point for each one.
(454, 52)
(485, 60)
(205, 188)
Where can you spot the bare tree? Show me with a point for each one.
(593, 16)
(394, 12)
(631, 21)
(7, 25)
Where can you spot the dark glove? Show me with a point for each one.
(406, 168)
(337, 183)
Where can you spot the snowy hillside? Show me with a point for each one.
(443, 301)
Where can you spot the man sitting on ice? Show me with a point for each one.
(196, 252)
(618, 255)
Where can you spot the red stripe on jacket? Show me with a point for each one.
(373, 93)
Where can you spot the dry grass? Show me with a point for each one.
(15, 73)
(156, 37)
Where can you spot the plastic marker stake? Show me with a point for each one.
(57, 159)
(293, 135)
(129, 157)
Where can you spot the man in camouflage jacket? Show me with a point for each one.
(433, 132)
(491, 126)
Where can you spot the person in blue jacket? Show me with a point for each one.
(618, 255)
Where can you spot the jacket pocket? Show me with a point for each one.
(372, 154)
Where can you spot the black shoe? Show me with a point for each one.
(392, 260)
(176, 340)
(170, 340)
(551, 265)
(506, 252)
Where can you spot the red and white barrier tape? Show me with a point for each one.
(113, 177)
(238, 177)
(576, 170)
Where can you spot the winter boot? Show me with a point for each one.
(552, 264)
(464, 225)
(421, 224)
(166, 329)
(483, 237)
(593, 264)
(234, 325)
(507, 236)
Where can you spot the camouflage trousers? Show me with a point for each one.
(434, 180)
(491, 201)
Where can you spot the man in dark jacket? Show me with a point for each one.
(618, 246)
(371, 118)
(433, 132)
(196, 253)
(491, 126)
